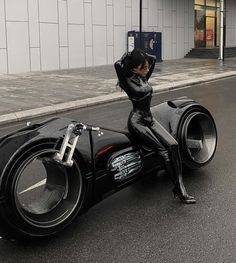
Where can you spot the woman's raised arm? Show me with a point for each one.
(119, 67)
(152, 62)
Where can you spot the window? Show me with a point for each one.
(211, 3)
(210, 11)
(199, 2)
(207, 23)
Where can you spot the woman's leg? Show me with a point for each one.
(172, 161)
(147, 137)
(160, 140)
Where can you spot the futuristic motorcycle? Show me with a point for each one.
(52, 171)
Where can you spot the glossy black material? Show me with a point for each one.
(105, 165)
(146, 128)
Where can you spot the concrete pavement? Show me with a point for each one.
(28, 95)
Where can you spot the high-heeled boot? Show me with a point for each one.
(174, 169)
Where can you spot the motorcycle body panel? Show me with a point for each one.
(170, 112)
(94, 152)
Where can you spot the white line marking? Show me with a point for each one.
(34, 186)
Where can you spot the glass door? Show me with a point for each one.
(199, 27)
(207, 23)
(210, 32)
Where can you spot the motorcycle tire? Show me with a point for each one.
(39, 196)
(197, 136)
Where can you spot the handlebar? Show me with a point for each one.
(80, 126)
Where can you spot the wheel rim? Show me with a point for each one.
(45, 192)
(200, 137)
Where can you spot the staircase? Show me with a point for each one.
(210, 52)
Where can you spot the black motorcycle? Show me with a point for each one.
(55, 170)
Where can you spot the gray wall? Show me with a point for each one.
(60, 34)
(230, 23)
(176, 22)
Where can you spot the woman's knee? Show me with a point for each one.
(173, 146)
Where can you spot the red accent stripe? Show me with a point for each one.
(104, 150)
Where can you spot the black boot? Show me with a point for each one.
(174, 169)
(184, 197)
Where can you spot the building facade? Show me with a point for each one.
(39, 35)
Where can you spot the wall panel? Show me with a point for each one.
(60, 34)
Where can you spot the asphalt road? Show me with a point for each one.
(144, 223)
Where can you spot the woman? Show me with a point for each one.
(133, 71)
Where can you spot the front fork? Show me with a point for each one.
(73, 132)
(64, 156)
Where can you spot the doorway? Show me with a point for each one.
(210, 32)
(207, 23)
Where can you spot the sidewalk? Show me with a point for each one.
(28, 95)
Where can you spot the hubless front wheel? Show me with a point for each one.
(41, 197)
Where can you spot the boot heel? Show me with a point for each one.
(186, 199)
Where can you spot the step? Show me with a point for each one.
(210, 52)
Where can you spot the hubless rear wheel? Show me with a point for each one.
(41, 197)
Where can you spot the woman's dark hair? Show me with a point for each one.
(134, 59)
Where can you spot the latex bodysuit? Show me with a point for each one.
(147, 129)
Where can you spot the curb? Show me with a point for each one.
(85, 103)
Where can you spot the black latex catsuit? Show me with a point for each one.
(147, 129)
